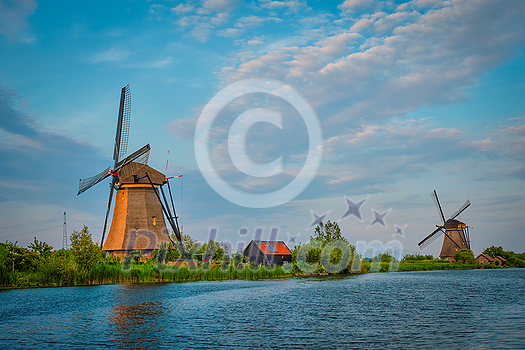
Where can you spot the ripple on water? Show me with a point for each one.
(426, 310)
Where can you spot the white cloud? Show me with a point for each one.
(361, 25)
(356, 5)
(255, 42)
(13, 21)
(202, 31)
(273, 5)
(111, 55)
(10, 140)
(254, 21)
(220, 5)
(517, 118)
(221, 18)
(229, 32)
(429, 58)
(183, 8)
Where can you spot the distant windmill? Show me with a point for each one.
(138, 222)
(456, 232)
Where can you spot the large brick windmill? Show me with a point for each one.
(139, 215)
(456, 232)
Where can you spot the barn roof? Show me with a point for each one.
(273, 247)
(486, 256)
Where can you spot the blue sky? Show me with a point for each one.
(412, 96)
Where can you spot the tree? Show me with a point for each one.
(41, 248)
(213, 250)
(237, 258)
(465, 256)
(4, 263)
(328, 247)
(327, 233)
(20, 258)
(190, 246)
(495, 251)
(415, 257)
(86, 254)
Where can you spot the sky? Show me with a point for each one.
(408, 97)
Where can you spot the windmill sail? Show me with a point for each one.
(124, 115)
(139, 156)
(460, 210)
(92, 181)
(436, 202)
(430, 238)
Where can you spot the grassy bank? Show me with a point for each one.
(140, 273)
(111, 273)
(421, 265)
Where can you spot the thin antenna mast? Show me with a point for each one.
(64, 235)
(167, 159)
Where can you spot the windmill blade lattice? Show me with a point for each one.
(460, 210)
(84, 184)
(430, 238)
(139, 156)
(434, 196)
(122, 135)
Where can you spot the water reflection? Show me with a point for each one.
(419, 310)
(136, 321)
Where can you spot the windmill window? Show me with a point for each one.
(271, 248)
(154, 220)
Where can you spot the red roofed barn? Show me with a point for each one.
(268, 252)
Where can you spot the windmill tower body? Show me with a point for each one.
(138, 222)
(454, 232)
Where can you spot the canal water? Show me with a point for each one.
(474, 309)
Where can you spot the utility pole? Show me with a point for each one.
(64, 235)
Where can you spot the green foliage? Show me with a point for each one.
(464, 256)
(20, 258)
(213, 251)
(383, 257)
(493, 252)
(171, 252)
(327, 239)
(41, 248)
(161, 253)
(327, 233)
(4, 263)
(365, 266)
(86, 254)
(237, 258)
(513, 259)
(429, 265)
(417, 257)
(189, 246)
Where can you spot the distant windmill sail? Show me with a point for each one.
(460, 210)
(456, 232)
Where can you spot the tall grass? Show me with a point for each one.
(109, 272)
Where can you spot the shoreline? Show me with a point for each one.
(184, 275)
